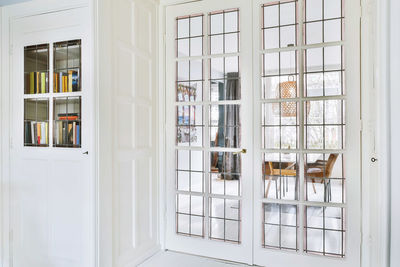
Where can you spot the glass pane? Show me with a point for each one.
(67, 66)
(196, 26)
(324, 178)
(36, 122)
(225, 173)
(67, 128)
(36, 69)
(225, 219)
(190, 215)
(183, 28)
(280, 125)
(314, 10)
(190, 170)
(281, 175)
(231, 21)
(280, 226)
(324, 230)
(225, 126)
(324, 121)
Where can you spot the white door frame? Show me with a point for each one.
(10, 14)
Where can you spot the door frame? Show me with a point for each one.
(8, 15)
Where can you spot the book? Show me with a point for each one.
(28, 132)
(70, 81)
(43, 82)
(39, 133)
(43, 133)
(32, 83)
(78, 135)
(75, 80)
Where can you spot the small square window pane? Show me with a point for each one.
(288, 62)
(313, 10)
(196, 26)
(232, 208)
(183, 223)
(183, 28)
(314, 137)
(231, 21)
(271, 38)
(333, 30)
(271, 16)
(183, 70)
(333, 242)
(271, 235)
(271, 64)
(183, 48)
(288, 13)
(196, 161)
(333, 137)
(314, 59)
(314, 32)
(314, 84)
(196, 70)
(196, 46)
(217, 68)
(217, 44)
(197, 225)
(232, 230)
(332, 9)
(232, 67)
(314, 239)
(196, 205)
(289, 237)
(197, 182)
(217, 228)
(183, 203)
(183, 180)
(333, 83)
(231, 43)
(333, 58)
(183, 159)
(217, 23)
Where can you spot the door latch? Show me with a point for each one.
(374, 159)
(86, 153)
(244, 151)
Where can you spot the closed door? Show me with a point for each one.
(263, 123)
(52, 186)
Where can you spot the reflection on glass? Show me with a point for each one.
(225, 219)
(280, 226)
(36, 122)
(324, 231)
(36, 69)
(324, 177)
(225, 126)
(225, 173)
(281, 175)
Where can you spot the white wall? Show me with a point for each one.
(395, 130)
(127, 59)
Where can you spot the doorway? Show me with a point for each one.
(262, 144)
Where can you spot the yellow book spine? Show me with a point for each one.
(43, 82)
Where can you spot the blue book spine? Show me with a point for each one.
(78, 135)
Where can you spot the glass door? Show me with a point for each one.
(307, 163)
(209, 137)
(263, 126)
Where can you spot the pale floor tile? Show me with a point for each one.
(174, 259)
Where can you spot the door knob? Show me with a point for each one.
(244, 151)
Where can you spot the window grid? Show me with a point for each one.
(230, 221)
(303, 97)
(280, 224)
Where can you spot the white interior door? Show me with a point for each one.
(296, 63)
(209, 179)
(52, 185)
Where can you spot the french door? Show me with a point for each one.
(262, 131)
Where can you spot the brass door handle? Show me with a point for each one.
(244, 151)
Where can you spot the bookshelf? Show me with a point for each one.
(53, 108)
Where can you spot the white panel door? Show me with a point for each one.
(299, 119)
(52, 187)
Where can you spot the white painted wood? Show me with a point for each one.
(394, 132)
(52, 196)
(128, 102)
(204, 246)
